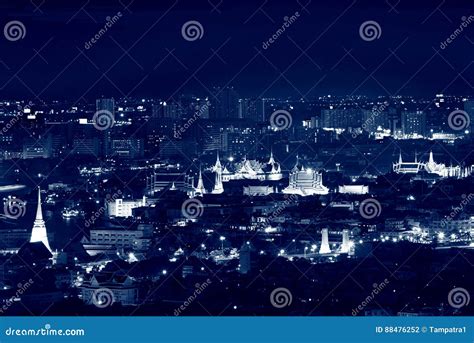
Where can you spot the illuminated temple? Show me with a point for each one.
(305, 181)
(253, 170)
(432, 167)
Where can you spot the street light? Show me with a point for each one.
(305, 248)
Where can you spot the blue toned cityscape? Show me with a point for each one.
(237, 160)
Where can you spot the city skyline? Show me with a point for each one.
(236, 159)
(418, 49)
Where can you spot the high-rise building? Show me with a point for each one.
(413, 123)
(252, 109)
(126, 148)
(108, 106)
(226, 103)
(104, 104)
(374, 119)
(469, 108)
(86, 146)
(39, 232)
(245, 258)
(167, 110)
(37, 148)
(236, 141)
(341, 118)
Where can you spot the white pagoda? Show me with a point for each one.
(39, 232)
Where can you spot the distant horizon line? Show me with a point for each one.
(315, 97)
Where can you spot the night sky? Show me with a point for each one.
(321, 52)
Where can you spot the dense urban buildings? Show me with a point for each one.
(126, 224)
(237, 159)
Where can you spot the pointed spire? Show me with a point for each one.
(39, 211)
(400, 161)
(274, 170)
(295, 168)
(431, 159)
(271, 160)
(39, 233)
(218, 187)
(200, 190)
(218, 165)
